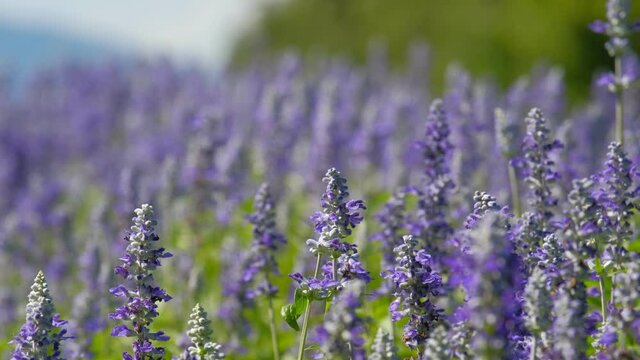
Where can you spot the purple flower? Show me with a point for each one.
(538, 167)
(447, 342)
(484, 203)
(383, 347)
(341, 334)
(569, 335)
(339, 216)
(618, 26)
(392, 220)
(266, 242)
(538, 310)
(138, 264)
(237, 294)
(316, 289)
(41, 335)
(605, 338)
(586, 218)
(495, 280)
(348, 267)
(627, 292)
(416, 285)
(431, 221)
(616, 195)
(87, 313)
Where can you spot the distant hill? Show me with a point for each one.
(25, 50)
(497, 38)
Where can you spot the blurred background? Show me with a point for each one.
(502, 38)
(189, 105)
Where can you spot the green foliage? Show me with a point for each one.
(292, 312)
(502, 38)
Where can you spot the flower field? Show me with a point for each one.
(301, 209)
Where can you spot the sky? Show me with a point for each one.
(202, 31)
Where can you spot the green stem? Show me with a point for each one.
(515, 194)
(613, 284)
(272, 324)
(603, 305)
(307, 313)
(619, 101)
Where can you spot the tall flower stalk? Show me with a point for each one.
(616, 196)
(416, 285)
(506, 133)
(392, 220)
(569, 336)
(618, 28)
(336, 221)
(341, 334)
(491, 289)
(581, 236)
(383, 347)
(142, 257)
(266, 242)
(200, 333)
(538, 310)
(538, 167)
(42, 334)
(431, 222)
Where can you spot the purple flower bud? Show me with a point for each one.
(415, 287)
(437, 184)
(41, 335)
(341, 334)
(267, 241)
(538, 167)
(143, 256)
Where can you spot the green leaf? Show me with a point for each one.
(288, 313)
(313, 347)
(299, 302)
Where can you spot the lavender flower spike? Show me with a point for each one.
(337, 219)
(141, 259)
(383, 347)
(438, 347)
(437, 184)
(392, 220)
(617, 196)
(569, 337)
(202, 348)
(416, 285)
(41, 335)
(335, 222)
(538, 166)
(266, 241)
(340, 337)
(538, 309)
(492, 289)
(485, 203)
(619, 28)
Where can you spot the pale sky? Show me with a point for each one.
(200, 30)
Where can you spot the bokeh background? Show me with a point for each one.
(497, 38)
(179, 95)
